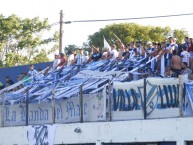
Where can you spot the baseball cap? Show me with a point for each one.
(149, 43)
(105, 53)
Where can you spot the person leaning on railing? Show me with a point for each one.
(8, 82)
(63, 61)
(96, 55)
(25, 78)
(185, 69)
(1, 86)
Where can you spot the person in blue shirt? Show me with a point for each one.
(96, 55)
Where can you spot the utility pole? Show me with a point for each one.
(61, 31)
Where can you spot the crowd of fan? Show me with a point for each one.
(177, 58)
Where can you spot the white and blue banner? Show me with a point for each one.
(41, 134)
(188, 111)
(162, 99)
(127, 100)
(94, 109)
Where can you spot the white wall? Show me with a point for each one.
(178, 129)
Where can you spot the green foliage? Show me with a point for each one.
(129, 32)
(180, 34)
(40, 57)
(21, 40)
(69, 48)
(13, 59)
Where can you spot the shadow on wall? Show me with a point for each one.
(13, 72)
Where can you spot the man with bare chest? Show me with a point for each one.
(176, 63)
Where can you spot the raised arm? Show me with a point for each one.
(119, 40)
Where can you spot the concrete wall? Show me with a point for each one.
(178, 129)
(13, 72)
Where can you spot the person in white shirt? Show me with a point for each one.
(185, 55)
(150, 47)
(40, 74)
(80, 58)
(132, 51)
(104, 55)
(169, 50)
(71, 58)
(176, 47)
(56, 61)
(86, 53)
(113, 53)
(140, 50)
(32, 71)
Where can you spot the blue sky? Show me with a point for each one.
(77, 33)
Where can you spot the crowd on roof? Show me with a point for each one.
(176, 59)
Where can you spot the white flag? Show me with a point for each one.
(162, 65)
(106, 44)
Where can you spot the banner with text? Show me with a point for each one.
(94, 109)
(127, 102)
(162, 99)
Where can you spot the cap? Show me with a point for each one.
(105, 53)
(149, 43)
(155, 43)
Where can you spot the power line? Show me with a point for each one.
(122, 19)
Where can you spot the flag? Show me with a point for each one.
(106, 44)
(162, 65)
(189, 88)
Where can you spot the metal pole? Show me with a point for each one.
(60, 31)
(81, 104)
(145, 101)
(3, 110)
(27, 107)
(109, 101)
(180, 96)
(53, 106)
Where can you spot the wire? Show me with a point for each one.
(122, 19)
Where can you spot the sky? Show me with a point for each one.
(77, 33)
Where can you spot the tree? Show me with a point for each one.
(129, 32)
(69, 48)
(22, 40)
